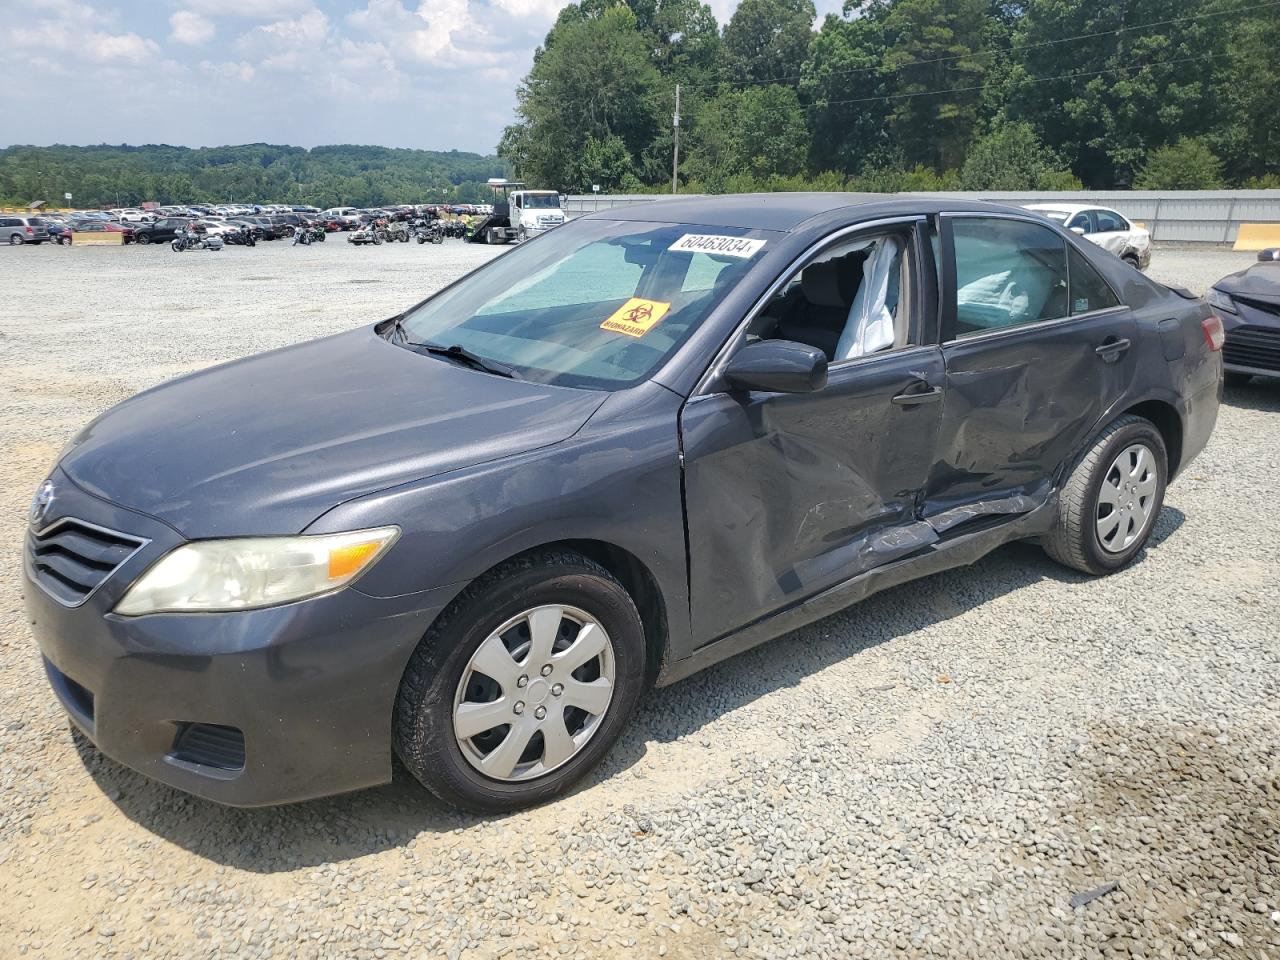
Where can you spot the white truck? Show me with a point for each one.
(519, 214)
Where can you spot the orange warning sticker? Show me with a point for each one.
(636, 317)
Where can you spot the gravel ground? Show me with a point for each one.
(935, 772)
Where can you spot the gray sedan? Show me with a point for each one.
(473, 533)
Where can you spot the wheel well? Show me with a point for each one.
(1167, 421)
(637, 580)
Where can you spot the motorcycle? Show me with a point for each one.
(308, 235)
(398, 231)
(190, 240)
(431, 232)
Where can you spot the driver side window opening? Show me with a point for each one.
(850, 301)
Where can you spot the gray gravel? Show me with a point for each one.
(935, 772)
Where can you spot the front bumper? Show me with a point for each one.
(310, 686)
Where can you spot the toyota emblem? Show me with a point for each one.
(40, 503)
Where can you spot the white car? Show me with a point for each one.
(1107, 228)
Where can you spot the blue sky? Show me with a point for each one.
(436, 74)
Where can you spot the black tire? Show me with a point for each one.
(15, 240)
(423, 733)
(1132, 261)
(144, 239)
(1074, 540)
(1234, 381)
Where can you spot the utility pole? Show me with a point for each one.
(675, 153)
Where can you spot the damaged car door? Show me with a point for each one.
(1038, 348)
(789, 493)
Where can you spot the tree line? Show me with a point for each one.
(111, 176)
(904, 95)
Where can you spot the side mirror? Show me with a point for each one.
(1078, 231)
(777, 366)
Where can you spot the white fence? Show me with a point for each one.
(1183, 216)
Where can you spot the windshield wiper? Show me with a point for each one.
(463, 355)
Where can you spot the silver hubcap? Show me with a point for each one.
(534, 693)
(1127, 498)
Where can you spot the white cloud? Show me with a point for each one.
(229, 70)
(191, 28)
(254, 9)
(533, 9)
(120, 46)
(437, 30)
(306, 31)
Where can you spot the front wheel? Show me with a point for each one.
(177, 246)
(1111, 499)
(522, 685)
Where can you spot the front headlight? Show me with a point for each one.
(1220, 301)
(242, 574)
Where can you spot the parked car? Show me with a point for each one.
(59, 230)
(471, 534)
(96, 225)
(1107, 228)
(1249, 303)
(17, 230)
(349, 217)
(160, 231)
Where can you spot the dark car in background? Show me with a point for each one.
(470, 535)
(17, 230)
(162, 230)
(1249, 303)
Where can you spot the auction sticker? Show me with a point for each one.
(636, 317)
(742, 247)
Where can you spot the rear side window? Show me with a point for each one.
(1109, 222)
(1008, 273)
(1088, 290)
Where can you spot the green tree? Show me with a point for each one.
(1011, 157)
(767, 40)
(756, 131)
(1188, 164)
(592, 79)
(933, 46)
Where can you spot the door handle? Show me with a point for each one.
(1110, 350)
(920, 396)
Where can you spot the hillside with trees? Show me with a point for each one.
(904, 95)
(109, 176)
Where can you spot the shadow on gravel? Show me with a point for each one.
(1258, 394)
(354, 825)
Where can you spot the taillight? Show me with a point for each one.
(29, 230)
(1214, 335)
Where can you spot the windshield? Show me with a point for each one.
(542, 201)
(595, 303)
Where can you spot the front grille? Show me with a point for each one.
(1253, 347)
(209, 745)
(71, 558)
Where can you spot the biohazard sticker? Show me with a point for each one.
(636, 317)
(742, 247)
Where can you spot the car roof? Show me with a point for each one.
(1070, 208)
(784, 212)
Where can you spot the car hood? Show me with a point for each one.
(266, 444)
(1259, 282)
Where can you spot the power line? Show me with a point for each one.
(1267, 4)
(1028, 80)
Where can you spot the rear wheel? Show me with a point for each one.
(144, 239)
(1111, 499)
(15, 240)
(1132, 260)
(522, 685)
